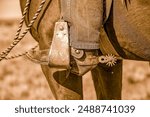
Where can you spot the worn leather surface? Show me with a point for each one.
(62, 85)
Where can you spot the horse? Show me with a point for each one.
(128, 30)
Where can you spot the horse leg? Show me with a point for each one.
(108, 81)
(63, 88)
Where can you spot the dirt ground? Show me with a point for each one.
(22, 79)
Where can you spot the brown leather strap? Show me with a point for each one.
(107, 7)
(105, 45)
(65, 9)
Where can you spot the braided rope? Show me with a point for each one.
(22, 19)
(16, 56)
(17, 39)
(20, 54)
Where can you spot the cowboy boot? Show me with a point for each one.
(82, 61)
(38, 56)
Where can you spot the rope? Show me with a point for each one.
(16, 56)
(17, 39)
(20, 54)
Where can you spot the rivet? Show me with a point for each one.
(61, 28)
(77, 51)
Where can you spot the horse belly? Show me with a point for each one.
(132, 27)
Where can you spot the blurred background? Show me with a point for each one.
(22, 79)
